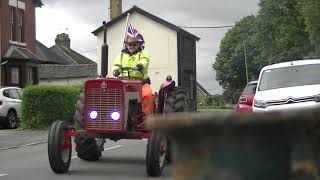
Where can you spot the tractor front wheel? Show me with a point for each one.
(156, 154)
(59, 147)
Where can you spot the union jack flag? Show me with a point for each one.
(133, 32)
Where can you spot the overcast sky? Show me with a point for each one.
(80, 17)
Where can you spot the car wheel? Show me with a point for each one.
(12, 120)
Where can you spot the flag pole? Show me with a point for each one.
(125, 32)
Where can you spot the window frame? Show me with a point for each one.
(21, 25)
(12, 23)
(17, 76)
(30, 75)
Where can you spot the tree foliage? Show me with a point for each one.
(230, 61)
(311, 13)
(283, 30)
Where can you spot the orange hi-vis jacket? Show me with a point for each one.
(147, 100)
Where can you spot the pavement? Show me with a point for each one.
(13, 138)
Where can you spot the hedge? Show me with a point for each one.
(44, 104)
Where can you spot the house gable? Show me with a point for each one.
(202, 89)
(172, 49)
(162, 46)
(149, 15)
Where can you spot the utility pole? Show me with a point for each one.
(245, 59)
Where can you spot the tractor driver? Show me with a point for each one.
(135, 57)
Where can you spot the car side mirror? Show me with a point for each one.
(254, 90)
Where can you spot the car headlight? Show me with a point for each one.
(260, 103)
(316, 98)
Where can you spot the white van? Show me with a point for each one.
(291, 85)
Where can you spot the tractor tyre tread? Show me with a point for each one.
(87, 148)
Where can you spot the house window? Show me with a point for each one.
(30, 75)
(15, 75)
(12, 23)
(21, 25)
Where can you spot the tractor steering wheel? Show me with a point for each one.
(122, 69)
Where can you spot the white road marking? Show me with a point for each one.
(23, 145)
(35, 143)
(74, 157)
(3, 175)
(106, 149)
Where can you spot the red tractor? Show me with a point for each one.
(110, 108)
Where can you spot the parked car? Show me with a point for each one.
(288, 86)
(245, 101)
(10, 106)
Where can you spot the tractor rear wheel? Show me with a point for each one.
(79, 113)
(175, 102)
(59, 156)
(87, 148)
(158, 149)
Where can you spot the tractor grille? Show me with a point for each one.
(104, 102)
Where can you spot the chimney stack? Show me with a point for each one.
(115, 8)
(63, 40)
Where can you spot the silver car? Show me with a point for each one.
(10, 106)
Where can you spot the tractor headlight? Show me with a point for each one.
(115, 116)
(260, 103)
(93, 115)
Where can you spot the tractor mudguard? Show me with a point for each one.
(165, 87)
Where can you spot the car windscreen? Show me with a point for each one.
(250, 89)
(290, 76)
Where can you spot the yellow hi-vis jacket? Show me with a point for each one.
(125, 60)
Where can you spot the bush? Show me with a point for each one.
(217, 107)
(215, 100)
(44, 104)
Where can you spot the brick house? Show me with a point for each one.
(19, 62)
(24, 60)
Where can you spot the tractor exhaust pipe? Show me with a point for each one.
(104, 52)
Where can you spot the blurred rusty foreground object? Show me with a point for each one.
(243, 146)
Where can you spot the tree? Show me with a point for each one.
(230, 60)
(311, 13)
(281, 31)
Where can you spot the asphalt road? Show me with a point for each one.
(123, 160)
